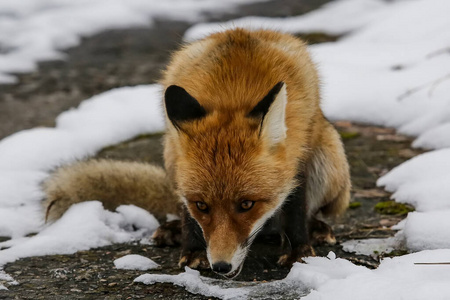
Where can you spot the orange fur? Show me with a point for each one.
(221, 159)
(113, 183)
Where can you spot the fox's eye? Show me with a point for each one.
(202, 206)
(247, 204)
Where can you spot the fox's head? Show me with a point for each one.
(231, 171)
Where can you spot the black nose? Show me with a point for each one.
(221, 267)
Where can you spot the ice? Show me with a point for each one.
(135, 262)
(33, 31)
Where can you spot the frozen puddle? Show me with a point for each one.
(228, 289)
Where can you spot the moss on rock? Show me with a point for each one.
(393, 208)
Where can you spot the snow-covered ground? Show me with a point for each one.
(32, 30)
(391, 68)
(27, 156)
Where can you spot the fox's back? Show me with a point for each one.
(229, 72)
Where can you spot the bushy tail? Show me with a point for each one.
(113, 183)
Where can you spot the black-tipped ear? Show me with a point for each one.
(261, 109)
(181, 106)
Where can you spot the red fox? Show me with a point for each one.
(246, 144)
(246, 139)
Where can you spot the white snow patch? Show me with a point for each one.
(192, 282)
(423, 181)
(32, 30)
(371, 246)
(428, 230)
(5, 278)
(135, 262)
(396, 278)
(84, 226)
(229, 289)
(337, 17)
(27, 156)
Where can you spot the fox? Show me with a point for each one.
(246, 147)
(247, 143)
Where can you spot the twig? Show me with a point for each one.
(445, 50)
(436, 263)
(433, 85)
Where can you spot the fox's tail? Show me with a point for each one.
(113, 183)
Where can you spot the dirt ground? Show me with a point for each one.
(136, 56)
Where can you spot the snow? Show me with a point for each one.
(193, 283)
(27, 156)
(428, 230)
(337, 18)
(396, 278)
(33, 31)
(135, 262)
(390, 68)
(371, 246)
(84, 226)
(229, 289)
(333, 278)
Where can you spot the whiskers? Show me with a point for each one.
(252, 236)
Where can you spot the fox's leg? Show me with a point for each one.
(168, 234)
(328, 184)
(320, 232)
(296, 228)
(193, 252)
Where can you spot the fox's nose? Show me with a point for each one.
(221, 267)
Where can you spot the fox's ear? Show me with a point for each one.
(181, 106)
(272, 111)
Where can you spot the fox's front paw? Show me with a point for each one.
(194, 260)
(296, 255)
(168, 234)
(321, 233)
